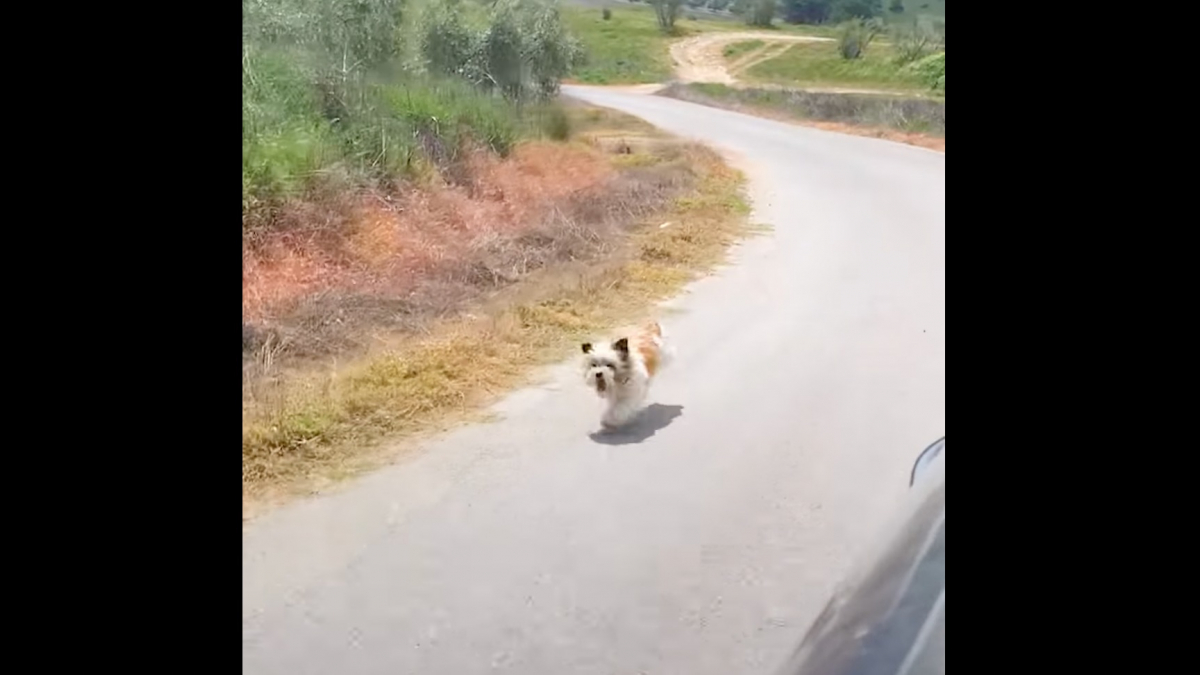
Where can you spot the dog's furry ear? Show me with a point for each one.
(587, 348)
(622, 346)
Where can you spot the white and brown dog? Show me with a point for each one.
(621, 372)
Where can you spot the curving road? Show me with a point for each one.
(808, 377)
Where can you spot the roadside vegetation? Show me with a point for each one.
(330, 94)
(626, 48)
(423, 222)
(820, 64)
(915, 121)
(868, 53)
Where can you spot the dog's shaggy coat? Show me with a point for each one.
(621, 372)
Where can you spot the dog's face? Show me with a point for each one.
(606, 366)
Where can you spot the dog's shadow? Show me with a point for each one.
(654, 417)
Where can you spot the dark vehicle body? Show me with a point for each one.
(889, 616)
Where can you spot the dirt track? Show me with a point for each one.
(701, 59)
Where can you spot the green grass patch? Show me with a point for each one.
(293, 134)
(627, 49)
(818, 64)
(736, 49)
(931, 70)
(285, 138)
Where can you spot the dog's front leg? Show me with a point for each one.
(618, 413)
(623, 408)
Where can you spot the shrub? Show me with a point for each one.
(932, 71)
(303, 69)
(914, 42)
(606, 14)
(451, 112)
(856, 35)
(665, 12)
(321, 95)
(523, 52)
(285, 139)
(445, 41)
(759, 13)
(555, 123)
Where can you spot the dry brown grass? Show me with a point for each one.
(495, 288)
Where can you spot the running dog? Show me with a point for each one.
(621, 372)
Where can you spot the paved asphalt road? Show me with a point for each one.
(808, 377)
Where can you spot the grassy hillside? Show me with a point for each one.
(628, 48)
(818, 64)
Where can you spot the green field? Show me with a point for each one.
(818, 64)
(626, 49)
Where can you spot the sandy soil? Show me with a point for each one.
(701, 59)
